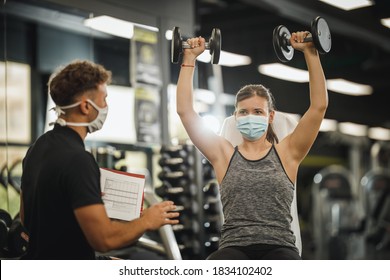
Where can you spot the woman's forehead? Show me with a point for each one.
(253, 102)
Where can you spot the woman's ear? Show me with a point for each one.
(271, 116)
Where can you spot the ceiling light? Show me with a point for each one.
(283, 72)
(349, 88)
(111, 25)
(353, 129)
(232, 59)
(226, 59)
(379, 133)
(349, 4)
(148, 27)
(328, 125)
(204, 57)
(168, 34)
(386, 22)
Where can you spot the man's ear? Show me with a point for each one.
(85, 107)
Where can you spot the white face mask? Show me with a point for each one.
(92, 126)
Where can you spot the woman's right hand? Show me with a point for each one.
(197, 45)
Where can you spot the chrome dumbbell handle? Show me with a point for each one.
(185, 45)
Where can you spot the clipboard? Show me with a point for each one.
(122, 193)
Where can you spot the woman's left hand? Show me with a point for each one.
(297, 41)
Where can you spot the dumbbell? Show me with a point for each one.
(14, 239)
(211, 189)
(212, 243)
(18, 239)
(176, 177)
(173, 162)
(188, 226)
(181, 151)
(320, 36)
(186, 205)
(189, 247)
(5, 223)
(213, 225)
(166, 189)
(213, 45)
(212, 206)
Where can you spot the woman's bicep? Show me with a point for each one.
(302, 138)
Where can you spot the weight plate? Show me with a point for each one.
(5, 217)
(176, 45)
(5, 223)
(280, 39)
(321, 35)
(18, 239)
(215, 45)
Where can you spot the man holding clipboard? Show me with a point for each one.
(61, 203)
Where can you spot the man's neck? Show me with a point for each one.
(81, 130)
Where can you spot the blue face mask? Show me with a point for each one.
(252, 127)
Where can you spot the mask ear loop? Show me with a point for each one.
(59, 112)
(60, 121)
(95, 105)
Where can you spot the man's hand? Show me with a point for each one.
(160, 214)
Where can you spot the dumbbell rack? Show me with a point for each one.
(184, 175)
(13, 236)
(108, 156)
(212, 208)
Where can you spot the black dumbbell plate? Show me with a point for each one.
(215, 45)
(321, 35)
(176, 45)
(283, 51)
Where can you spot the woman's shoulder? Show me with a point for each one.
(282, 146)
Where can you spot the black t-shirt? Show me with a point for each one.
(59, 176)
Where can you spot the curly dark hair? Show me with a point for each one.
(70, 81)
(261, 91)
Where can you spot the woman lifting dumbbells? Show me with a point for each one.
(257, 177)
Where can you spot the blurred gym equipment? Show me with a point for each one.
(337, 215)
(14, 237)
(376, 192)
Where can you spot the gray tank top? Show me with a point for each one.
(256, 197)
